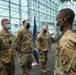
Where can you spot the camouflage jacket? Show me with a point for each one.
(43, 42)
(7, 47)
(66, 54)
(50, 39)
(24, 43)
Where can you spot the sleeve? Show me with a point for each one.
(18, 39)
(66, 55)
(38, 41)
(32, 43)
(13, 46)
(49, 41)
(2, 46)
(39, 38)
(0, 42)
(57, 49)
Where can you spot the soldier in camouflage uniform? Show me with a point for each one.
(66, 51)
(24, 48)
(7, 49)
(49, 40)
(43, 48)
(58, 35)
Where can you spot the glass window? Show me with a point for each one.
(15, 1)
(19, 10)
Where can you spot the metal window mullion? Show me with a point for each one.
(10, 11)
(20, 15)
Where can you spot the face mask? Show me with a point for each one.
(28, 26)
(61, 34)
(59, 27)
(45, 31)
(8, 27)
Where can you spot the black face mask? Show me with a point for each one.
(45, 31)
(28, 26)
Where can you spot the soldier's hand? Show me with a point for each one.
(1, 64)
(40, 51)
(38, 37)
(0, 41)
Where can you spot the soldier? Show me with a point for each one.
(66, 51)
(58, 35)
(43, 47)
(49, 40)
(7, 49)
(24, 46)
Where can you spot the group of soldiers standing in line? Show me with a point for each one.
(22, 43)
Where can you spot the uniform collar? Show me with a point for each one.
(43, 33)
(5, 33)
(68, 31)
(25, 29)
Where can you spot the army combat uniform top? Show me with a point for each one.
(24, 47)
(7, 51)
(43, 43)
(6, 47)
(24, 43)
(66, 54)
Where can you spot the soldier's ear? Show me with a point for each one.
(2, 24)
(64, 19)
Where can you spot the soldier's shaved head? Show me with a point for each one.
(25, 21)
(4, 20)
(4, 23)
(44, 27)
(66, 13)
(65, 19)
(26, 24)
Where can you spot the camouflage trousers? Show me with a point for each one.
(26, 63)
(43, 55)
(8, 69)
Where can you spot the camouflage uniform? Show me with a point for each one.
(24, 47)
(43, 47)
(49, 40)
(66, 55)
(7, 51)
(58, 35)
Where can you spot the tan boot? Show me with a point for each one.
(43, 70)
(47, 69)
